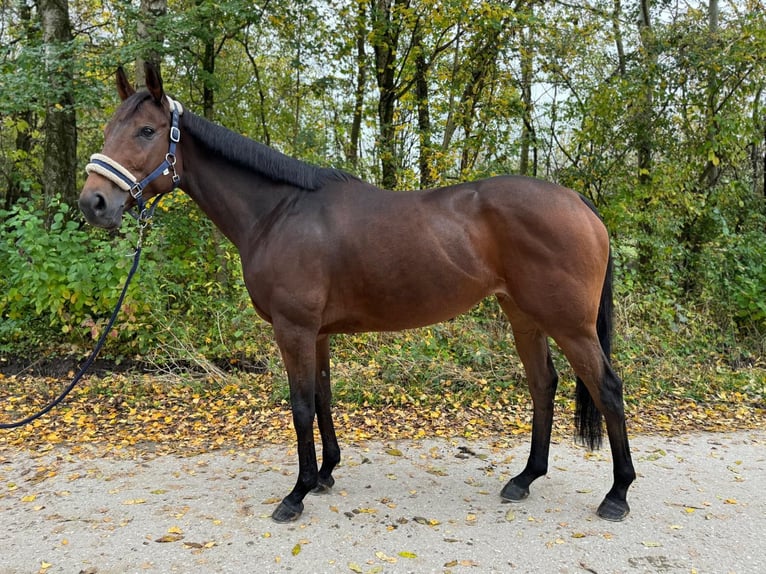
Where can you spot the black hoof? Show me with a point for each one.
(613, 510)
(513, 492)
(287, 512)
(324, 485)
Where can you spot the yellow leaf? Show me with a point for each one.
(134, 501)
(175, 530)
(354, 567)
(394, 452)
(29, 498)
(296, 549)
(405, 554)
(385, 558)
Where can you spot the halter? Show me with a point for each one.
(122, 177)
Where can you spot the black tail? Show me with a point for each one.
(587, 417)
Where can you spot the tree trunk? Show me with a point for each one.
(60, 127)
(24, 120)
(644, 133)
(618, 43)
(385, 42)
(528, 136)
(352, 153)
(712, 170)
(424, 115)
(150, 36)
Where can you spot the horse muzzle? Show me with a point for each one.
(102, 207)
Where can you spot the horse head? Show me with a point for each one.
(139, 151)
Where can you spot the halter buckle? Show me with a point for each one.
(136, 191)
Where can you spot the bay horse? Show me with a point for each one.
(323, 252)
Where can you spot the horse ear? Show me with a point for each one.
(124, 87)
(153, 82)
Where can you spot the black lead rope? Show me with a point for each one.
(89, 362)
(143, 220)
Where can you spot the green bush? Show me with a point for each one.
(55, 277)
(60, 280)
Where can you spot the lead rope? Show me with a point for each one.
(143, 221)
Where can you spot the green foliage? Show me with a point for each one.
(54, 276)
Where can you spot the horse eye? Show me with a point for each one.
(147, 132)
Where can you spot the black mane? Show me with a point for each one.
(258, 157)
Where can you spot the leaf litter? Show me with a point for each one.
(122, 411)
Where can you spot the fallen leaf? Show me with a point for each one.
(296, 550)
(169, 538)
(405, 554)
(354, 567)
(385, 558)
(394, 452)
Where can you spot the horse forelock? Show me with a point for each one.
(132, 105)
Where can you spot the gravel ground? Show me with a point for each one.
(698, 505)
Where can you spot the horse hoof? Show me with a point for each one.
(613, 510)
(285, 513)
(513, 492)
(324, 485)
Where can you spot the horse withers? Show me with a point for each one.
(323, 253)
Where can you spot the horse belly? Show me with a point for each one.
(410, 288)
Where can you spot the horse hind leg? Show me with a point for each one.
(534, 352)
(604, 390)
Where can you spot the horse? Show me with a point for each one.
(326, 253)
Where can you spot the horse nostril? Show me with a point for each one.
(99, 203)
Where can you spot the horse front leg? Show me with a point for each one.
(330, 448)
(299, 355)
(533, 349)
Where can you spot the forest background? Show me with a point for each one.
(652, 109)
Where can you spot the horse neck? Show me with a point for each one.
(235, 198)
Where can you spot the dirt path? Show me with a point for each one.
(413, 506)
